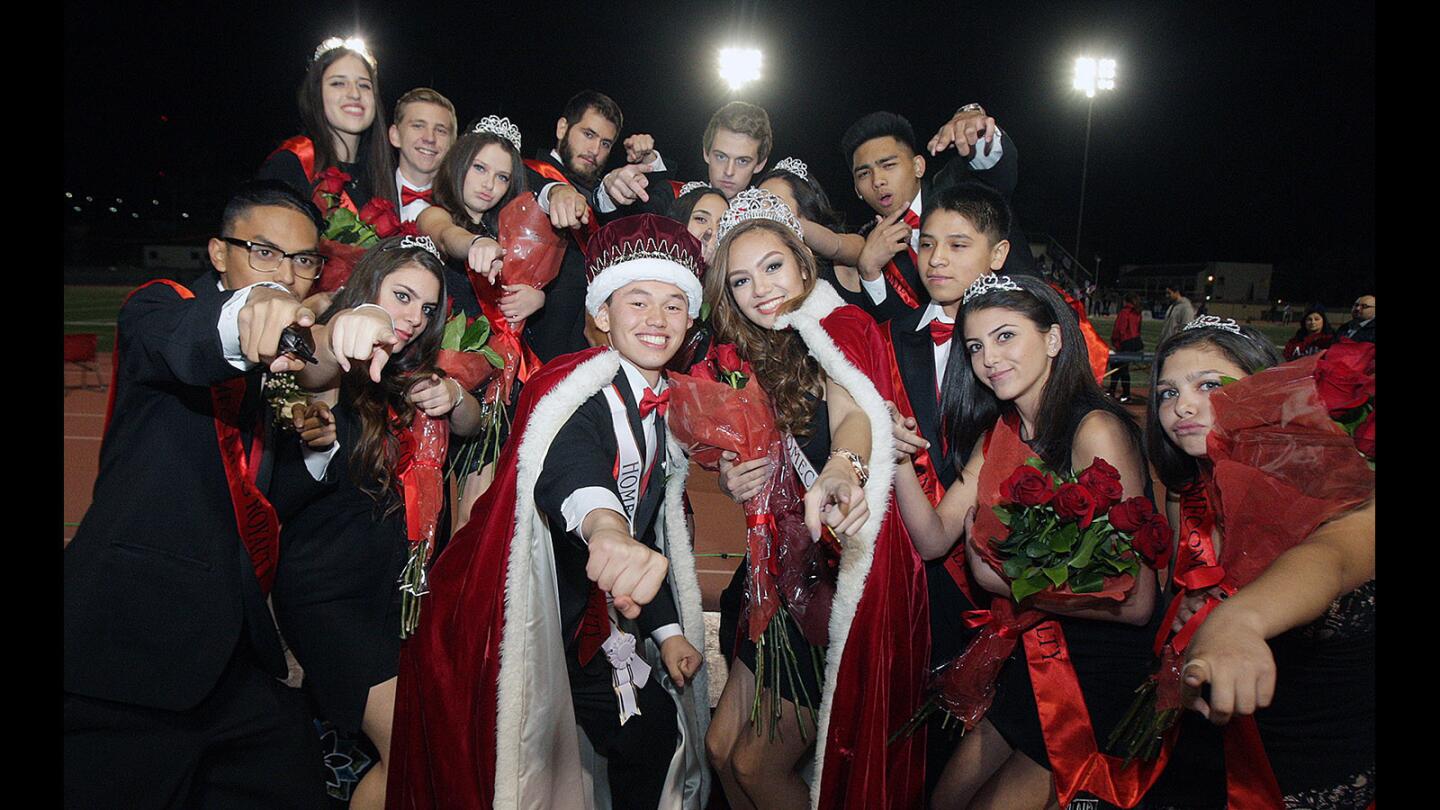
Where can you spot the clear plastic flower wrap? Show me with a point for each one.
(422, 479)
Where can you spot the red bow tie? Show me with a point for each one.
(654, 402)
(409, 195)
(941, 332)
(912, 219)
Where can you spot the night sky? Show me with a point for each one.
(1237, 133)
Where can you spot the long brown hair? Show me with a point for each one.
(373, 154)
(375, 455)
(783, 365)
(450, 181)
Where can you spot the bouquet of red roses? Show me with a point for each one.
(348, 233)
(1345, 381)
(717, 407)
(422, 456)
(1057, 540)
(533, 252)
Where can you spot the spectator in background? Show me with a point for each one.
(1125, 337)
(1180, 313)
(1314, 334)
(1361, 325)
(1286, 314)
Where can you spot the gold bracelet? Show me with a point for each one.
(862, 473)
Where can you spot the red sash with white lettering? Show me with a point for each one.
(304, 150)
(254, 516)
(580, 234)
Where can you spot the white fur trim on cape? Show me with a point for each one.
(533, 753)
(646, 268)
(858, 552)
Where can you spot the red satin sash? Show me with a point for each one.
(584, 232)
(255, 518)
(304, 149)
(902, 287)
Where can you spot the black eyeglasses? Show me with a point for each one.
(266, 258)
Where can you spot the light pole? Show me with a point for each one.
(1090, 75)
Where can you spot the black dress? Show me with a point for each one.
(816, 448)
(1110, 660)
(286, 167)
(336, 592)
(1318, 731)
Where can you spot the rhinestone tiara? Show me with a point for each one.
(422, 242)
(1213, 322)
(496, 125)
(795, 166)
(691, 186)
(989, 283)
(355, 44)
(757, 203)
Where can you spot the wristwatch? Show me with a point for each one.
(862, 473)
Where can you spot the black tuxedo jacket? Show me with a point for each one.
(915, 359)
(1002, 177)
(158, 589)
(559, 327)
(584, 454)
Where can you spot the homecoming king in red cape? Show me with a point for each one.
(557, 664)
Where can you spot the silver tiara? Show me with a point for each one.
(496, 125)
(757, 203)
(989, 283)
(691, 186)
(355, 44)
(795, 166)
(1212, 322)
(422, 242)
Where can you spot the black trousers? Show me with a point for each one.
(250, 743)
(638, 752)
(1122, 376)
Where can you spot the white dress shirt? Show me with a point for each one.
(408, 213)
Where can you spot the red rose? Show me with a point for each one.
(1129, 515)
(1365, 437)
(1152, 541)
(332, 181)
(727, 357)
(1345, 376)
(1027, 486)
(1075, 501)
(408, 229)
(1103, 481)
(380, 214)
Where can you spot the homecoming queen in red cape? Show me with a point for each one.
(822, 364)
(557, 660)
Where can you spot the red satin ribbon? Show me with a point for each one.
(1250, 782)
(582, 233)
(594, 625)
(1075, 757)
(255, 518)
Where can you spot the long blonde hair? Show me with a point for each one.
(783, 365)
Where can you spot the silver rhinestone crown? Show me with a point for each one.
(355, 44)
(691, 186)
(988, 283)
(422, 242)
(649, 248)
(795, 166)
(757, 203)
(1213, 322)
(497, 125)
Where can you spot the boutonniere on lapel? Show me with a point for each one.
(283, 393)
